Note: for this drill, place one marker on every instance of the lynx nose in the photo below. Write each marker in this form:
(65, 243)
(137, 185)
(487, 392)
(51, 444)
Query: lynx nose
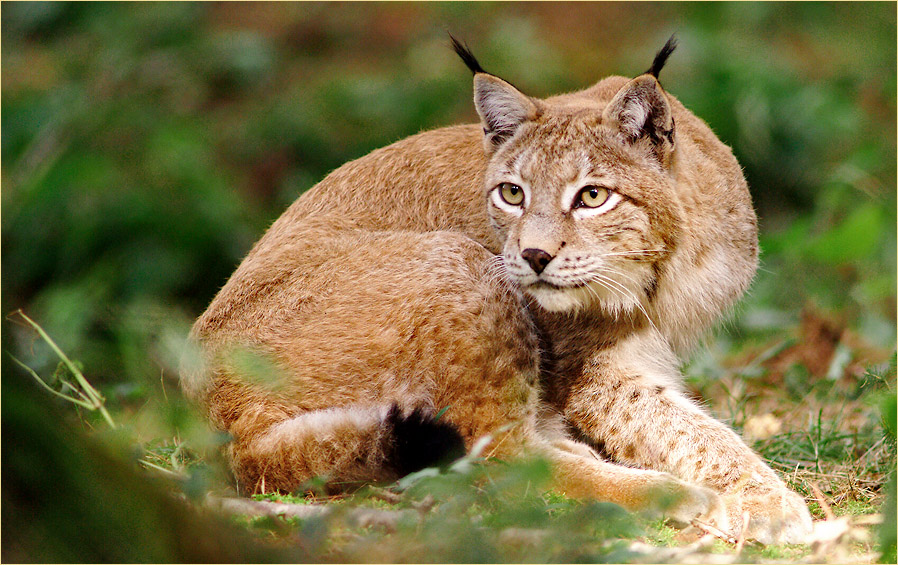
(537, 258)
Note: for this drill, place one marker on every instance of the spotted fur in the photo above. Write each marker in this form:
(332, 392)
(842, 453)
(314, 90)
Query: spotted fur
(404, 286)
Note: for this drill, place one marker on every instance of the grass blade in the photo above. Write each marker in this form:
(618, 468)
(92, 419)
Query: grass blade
(95, 399)
(41, 382)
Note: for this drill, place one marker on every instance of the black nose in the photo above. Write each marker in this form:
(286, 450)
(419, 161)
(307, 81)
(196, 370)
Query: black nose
(537, 258)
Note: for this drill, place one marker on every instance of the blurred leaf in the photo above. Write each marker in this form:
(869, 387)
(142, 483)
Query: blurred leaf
(67, 497)
(239, 59)
(854, 238)
(27, 18)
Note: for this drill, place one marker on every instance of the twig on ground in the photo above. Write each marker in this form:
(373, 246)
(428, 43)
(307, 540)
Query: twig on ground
(711, 530)
(361, 517)
(385, 495)
(821, 500)
(746, 517)
(697, 552)
(424, 506)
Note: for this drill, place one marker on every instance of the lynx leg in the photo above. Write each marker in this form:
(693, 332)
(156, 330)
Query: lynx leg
(637, 489)
(580, 472)
(644, 423)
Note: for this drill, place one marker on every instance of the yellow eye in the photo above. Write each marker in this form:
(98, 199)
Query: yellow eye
(511, 193)
(591, 197)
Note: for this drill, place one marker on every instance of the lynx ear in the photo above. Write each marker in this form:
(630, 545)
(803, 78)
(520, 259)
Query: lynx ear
(502, 108)
(641, 113)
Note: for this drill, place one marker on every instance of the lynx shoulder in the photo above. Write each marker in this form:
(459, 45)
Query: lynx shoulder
(532, 278)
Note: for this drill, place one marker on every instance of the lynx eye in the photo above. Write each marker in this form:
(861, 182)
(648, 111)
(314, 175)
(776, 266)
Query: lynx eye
(511, 193)
(591, 197)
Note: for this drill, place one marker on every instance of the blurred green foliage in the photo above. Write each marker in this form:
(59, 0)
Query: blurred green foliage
(69, 498)
(471, 513)
(146, 146)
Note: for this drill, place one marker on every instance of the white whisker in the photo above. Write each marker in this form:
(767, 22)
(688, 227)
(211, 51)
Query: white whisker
(622, 274)
(626, 293)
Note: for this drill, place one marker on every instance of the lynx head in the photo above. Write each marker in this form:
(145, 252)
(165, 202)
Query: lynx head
(580, 189)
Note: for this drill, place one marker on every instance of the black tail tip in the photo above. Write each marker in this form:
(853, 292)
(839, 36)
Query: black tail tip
(465, 53)
(662, 55)
(420, 441)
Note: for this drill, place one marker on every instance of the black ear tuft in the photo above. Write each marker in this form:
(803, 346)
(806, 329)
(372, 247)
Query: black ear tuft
(465, 53)
(661, 57)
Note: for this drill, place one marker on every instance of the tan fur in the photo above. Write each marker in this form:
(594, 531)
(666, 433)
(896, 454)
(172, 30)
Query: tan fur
(398, 279)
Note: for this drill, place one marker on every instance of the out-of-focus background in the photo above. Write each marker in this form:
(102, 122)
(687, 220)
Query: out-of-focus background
(146, 146)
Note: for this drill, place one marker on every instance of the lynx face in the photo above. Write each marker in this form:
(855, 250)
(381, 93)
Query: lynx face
(585, 210)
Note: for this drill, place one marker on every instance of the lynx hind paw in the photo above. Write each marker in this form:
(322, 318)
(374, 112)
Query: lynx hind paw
(419, 441)
(775, 516)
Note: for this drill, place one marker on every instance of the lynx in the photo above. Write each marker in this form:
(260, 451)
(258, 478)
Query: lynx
(532, 279)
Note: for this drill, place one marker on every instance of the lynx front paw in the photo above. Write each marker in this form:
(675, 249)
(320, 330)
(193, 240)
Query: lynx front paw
(682, 503)
(775, 515)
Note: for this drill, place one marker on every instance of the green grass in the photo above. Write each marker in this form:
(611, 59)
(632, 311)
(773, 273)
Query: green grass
(776, 553)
